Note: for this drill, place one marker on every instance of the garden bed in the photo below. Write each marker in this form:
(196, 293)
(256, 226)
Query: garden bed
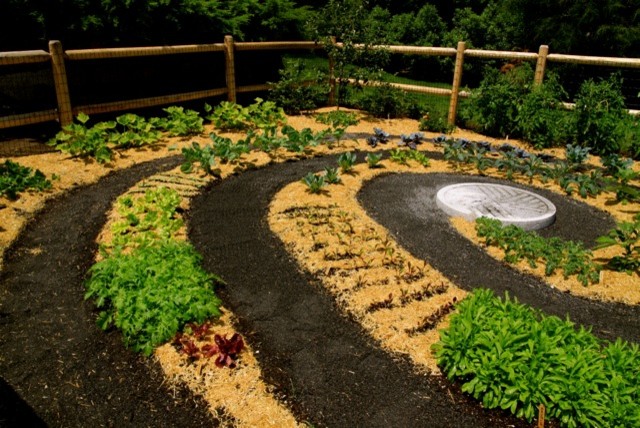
(323, 338)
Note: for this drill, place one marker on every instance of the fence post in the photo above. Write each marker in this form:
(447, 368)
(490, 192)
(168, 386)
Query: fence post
(230, 71)
(455, 87)
(65, 112)
(332, 76)
(541, 65)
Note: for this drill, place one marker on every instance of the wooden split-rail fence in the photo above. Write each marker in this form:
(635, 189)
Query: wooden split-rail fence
(65, 111)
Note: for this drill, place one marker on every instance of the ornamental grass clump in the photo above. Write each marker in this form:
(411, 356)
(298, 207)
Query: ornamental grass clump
(512, 356)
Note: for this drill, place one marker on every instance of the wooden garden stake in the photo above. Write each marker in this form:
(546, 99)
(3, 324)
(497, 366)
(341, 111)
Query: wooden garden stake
(541, 415)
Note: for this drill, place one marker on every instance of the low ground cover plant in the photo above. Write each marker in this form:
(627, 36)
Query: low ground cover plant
(149, 284)
(15, 178)
(259, 115)
(519, 244)
(146, 220)
(152, 292)
(511, 356)
(627, 236)
(180, 122)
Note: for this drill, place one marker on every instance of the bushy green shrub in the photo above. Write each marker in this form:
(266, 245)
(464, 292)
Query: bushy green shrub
(152, 292)
(387, 102)
(15, 178)
(493, 107)
(600, 115)
(541, 118)
(511, 356)
(436, 122)
(299, 90)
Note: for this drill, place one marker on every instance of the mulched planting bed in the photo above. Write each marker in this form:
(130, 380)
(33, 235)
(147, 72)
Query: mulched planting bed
(66, 371)
(57, 368)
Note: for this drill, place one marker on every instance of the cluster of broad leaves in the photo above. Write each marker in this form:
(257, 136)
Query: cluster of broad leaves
(627, 236)
(149, 284)
(126, 131)
(518, 244)
(574, 175)
(15, 178)
(146, 220)
(511, 356)
(266, 130)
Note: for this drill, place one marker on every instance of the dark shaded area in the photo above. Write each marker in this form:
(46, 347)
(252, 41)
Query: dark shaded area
(52, 354)
(405, 205)
(321, 362)
(14, 411)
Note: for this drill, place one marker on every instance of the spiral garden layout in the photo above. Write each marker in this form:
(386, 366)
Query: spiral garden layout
(322, 285)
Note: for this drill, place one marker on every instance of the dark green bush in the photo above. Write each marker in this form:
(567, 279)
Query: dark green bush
(436, 122)
(493, 107)
(15, 178)
(152, 292)
(541, 118)
(601, 117)
(511, 356)
(388, 102)
(299, 90)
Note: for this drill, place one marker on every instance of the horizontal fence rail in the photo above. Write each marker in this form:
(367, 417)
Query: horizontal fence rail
(65, 110)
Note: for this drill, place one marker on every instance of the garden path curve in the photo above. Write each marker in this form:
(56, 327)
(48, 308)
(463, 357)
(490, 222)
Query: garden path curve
(57, 367)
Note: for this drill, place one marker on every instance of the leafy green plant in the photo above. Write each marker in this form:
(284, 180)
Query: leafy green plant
(99, 140)
(493, 107)
(180, 121)
(202, 156)
(513, 357)
(298, 141)
(346, 161)
(228, 151)
(228, 116)
(338, 121)
(626, 235)
(586, 185)
(15, 178)
(151, 292)
(519, 244)
(600, 108)
(79, 140)
(299, 90)
(147, 219)
(576, 156)
(541, 118)
(315, 183)
(331, 175)
(231, 116)
(373, 160)
(435, 122)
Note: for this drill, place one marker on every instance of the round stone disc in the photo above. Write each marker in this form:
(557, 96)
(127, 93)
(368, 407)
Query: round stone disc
(508, 204)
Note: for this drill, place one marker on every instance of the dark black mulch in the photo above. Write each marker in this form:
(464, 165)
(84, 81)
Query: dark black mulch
(405, 205)
(56, 367)
(322, 363)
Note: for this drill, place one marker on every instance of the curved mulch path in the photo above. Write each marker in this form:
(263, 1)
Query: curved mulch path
(52, 355)
(70, 373)
(404, 205)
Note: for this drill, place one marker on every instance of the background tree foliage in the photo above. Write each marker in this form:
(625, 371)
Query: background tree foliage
(596, 27)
